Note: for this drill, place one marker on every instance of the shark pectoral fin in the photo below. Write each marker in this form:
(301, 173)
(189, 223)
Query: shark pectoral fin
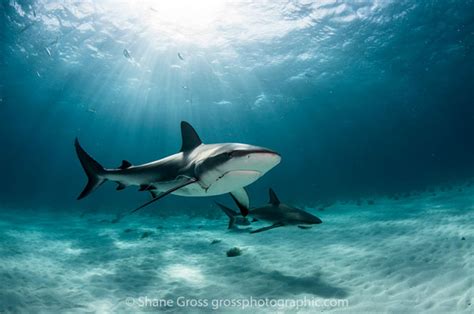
(120, 186)
(304, 227)
(179, 186)
(242, 200)
(268, 228)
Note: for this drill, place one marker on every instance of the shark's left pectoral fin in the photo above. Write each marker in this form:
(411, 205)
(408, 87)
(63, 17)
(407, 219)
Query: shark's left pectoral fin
(241, 198)
(179, 186)
(158, 196)
(304, 227)
(268, 228)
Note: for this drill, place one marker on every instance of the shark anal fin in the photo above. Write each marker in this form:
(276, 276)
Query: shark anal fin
(189, 137)
(242, 200)
(273, 198)
(268, 228)
(154, 193)
(120, 186)
(125, 164)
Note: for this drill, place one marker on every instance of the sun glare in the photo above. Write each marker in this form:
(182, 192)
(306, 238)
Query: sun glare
(188, 12)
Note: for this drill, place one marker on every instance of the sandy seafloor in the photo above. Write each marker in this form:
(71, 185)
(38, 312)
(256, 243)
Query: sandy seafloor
(400, 256)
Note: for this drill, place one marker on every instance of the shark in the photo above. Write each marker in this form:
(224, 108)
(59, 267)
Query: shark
(197, 170)
(275, 212)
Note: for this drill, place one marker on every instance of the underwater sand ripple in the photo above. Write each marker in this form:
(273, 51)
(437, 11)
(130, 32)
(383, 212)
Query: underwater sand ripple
(378, 260)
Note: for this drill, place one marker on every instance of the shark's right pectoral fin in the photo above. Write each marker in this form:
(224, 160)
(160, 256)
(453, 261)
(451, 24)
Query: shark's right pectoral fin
(268, 228)
(241, 199)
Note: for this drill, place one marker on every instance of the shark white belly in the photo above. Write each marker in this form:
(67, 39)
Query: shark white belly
(226, 183)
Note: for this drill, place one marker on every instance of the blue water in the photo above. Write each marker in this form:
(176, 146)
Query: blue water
(369, 103)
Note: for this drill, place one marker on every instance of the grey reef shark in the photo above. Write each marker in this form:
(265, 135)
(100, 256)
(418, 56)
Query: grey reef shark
(275, 212)
(196, 170)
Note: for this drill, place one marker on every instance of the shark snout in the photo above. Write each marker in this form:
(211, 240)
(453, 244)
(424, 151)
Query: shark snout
(315, 220)
(260, 159)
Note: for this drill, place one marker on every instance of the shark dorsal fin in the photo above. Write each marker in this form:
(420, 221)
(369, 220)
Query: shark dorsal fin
(273, 198)
(189, 136)
(125, 164)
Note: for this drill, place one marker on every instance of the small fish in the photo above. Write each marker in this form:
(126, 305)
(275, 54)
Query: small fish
(184, 87)
(26, 27)
(126, 54)
(54, 42)
(91, 110)
(180, 56)
(48, 51)
(38, 74)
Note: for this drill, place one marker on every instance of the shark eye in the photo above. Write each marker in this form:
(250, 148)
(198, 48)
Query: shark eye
(229, 155)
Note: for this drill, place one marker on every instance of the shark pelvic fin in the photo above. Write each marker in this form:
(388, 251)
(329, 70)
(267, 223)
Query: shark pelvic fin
(273, 198)
(190, 139)
(125, 164)
(242, 200)
(154, 193)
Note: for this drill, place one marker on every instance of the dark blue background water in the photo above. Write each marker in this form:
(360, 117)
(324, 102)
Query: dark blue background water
(360, 100)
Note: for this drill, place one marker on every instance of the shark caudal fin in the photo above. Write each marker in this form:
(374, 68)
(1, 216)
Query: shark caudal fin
(230, 213)
(93, 169)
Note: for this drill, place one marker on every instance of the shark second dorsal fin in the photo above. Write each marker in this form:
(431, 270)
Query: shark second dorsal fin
(125, 164)
(189, 137)
(273, 198)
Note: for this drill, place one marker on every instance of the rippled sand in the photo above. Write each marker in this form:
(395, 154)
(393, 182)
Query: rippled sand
(407, 256)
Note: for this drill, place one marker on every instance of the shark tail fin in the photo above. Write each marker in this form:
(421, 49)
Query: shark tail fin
(93, 169)
(230, 213)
